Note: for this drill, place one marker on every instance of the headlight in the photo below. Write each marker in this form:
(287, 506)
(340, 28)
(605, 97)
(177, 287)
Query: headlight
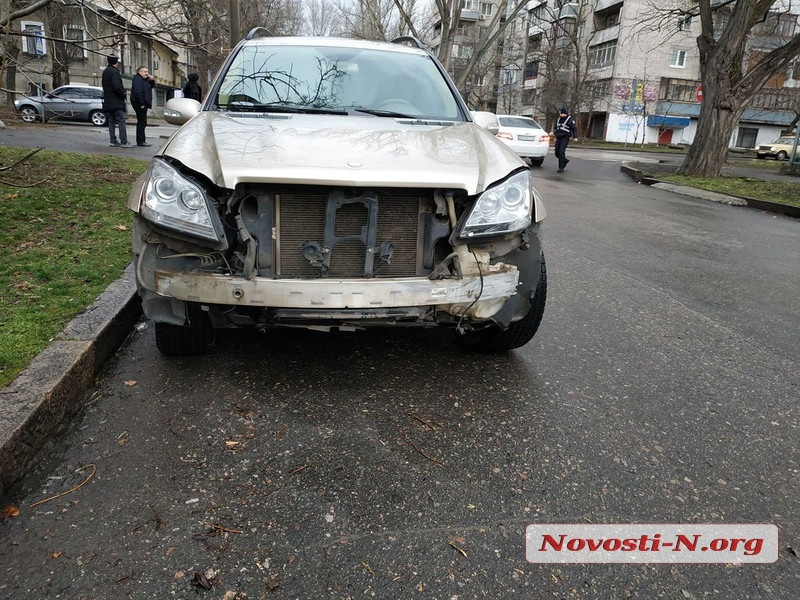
(504, 208)
(172, 201)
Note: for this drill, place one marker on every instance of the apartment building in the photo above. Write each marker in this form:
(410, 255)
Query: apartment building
(69, 44)
(631, 72)
(479, 88)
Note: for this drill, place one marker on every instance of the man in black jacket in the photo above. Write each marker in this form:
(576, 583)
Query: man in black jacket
(564, 129)
(142, 101)
(114, 103)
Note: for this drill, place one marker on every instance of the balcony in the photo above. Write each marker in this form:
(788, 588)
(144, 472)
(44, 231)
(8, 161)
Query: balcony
(570, 11)
(606, 4)
(606, 35)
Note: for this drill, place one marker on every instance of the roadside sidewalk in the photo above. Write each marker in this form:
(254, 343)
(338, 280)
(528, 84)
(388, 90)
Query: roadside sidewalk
(632, 170)
(39, 402)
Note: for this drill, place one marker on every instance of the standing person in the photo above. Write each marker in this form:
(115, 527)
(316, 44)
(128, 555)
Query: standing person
(192, 89)
(564, 129)
(114, 98)
(142, 101)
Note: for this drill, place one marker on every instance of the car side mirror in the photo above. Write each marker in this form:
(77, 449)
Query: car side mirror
(180, 110)
(486, 120)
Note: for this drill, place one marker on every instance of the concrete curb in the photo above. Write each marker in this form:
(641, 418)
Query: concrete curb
(773, 207)
(41, 399)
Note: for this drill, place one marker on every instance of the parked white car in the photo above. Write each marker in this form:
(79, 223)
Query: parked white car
(525, 137)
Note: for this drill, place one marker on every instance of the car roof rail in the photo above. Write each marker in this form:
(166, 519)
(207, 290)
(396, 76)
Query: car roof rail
(258, 32)
(409, 40)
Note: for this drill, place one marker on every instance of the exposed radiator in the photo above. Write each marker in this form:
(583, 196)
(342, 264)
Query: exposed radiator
(301, 223)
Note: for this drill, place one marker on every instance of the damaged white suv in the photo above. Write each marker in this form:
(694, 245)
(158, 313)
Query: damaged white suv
(336, 184)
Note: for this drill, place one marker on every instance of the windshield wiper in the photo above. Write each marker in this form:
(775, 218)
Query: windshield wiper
(280, 108)
(384, 113)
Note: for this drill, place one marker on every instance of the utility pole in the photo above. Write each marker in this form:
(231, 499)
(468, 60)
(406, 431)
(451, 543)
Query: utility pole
(234, 14)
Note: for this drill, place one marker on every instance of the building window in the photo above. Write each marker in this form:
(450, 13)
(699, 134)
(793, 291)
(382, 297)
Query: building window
(76, 49)
(678, 90)
(470, 5)
(461, 51)
(685, 23)
(480, 80)
(486, 9)
(599, 90)
(33, 41)
(537, 16)
(531, 69)
(161, 97)
(794, 71)
(678, 59)
(602, 54)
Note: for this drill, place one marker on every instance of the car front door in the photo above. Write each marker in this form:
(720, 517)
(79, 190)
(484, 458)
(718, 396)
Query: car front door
(59, 104)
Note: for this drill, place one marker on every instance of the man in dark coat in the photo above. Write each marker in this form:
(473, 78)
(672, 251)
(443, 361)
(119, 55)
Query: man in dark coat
(114, 103)
(142, 101)
(192, 89)
(564, 129)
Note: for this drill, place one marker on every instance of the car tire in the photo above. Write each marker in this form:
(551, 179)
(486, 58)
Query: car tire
(193, 339)
(98, 118)
(537, 162)
(518, 333)
(781, 155)
(29, 114)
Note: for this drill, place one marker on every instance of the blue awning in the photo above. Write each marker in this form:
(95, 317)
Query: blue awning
(667, 122)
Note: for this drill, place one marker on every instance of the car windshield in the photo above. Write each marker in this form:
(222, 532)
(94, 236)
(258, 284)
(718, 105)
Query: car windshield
(336, 79)
(519, 122)
(784, 140)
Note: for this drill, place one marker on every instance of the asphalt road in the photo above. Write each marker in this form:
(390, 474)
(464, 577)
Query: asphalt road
(662, 388)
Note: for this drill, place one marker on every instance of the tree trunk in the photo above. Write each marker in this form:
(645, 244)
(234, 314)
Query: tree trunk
(727, 82)
(12, 50)
(709, 150)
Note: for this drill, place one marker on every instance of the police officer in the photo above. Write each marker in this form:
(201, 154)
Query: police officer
(564, 129)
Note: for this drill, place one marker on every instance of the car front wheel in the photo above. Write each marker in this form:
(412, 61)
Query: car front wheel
(29, 114)
(537, 162)
(518, 333)
(781, 155)
(98, 118)
(197, 337)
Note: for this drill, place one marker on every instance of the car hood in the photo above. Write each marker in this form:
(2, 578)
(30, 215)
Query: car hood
(340, 150)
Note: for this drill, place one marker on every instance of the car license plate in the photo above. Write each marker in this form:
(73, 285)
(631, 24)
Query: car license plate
(526, 138)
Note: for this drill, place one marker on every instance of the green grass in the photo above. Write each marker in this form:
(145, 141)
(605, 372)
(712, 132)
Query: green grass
(770, 191)
(62, 242)
(630, 146)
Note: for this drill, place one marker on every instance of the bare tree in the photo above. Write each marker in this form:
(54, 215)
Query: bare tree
(323, 18)
(732, 71)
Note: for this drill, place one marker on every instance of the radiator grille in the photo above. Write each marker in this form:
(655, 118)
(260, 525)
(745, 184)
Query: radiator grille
(302, 218)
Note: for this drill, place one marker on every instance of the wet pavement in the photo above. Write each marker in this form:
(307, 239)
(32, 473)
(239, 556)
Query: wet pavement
(661, 388)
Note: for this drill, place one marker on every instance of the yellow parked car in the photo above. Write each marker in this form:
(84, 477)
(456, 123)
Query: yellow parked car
(780, 149)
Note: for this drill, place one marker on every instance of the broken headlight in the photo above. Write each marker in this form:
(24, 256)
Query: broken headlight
(173, 201)
(504, 208)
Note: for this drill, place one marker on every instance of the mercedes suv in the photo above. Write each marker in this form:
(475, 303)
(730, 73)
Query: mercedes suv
(336, 184)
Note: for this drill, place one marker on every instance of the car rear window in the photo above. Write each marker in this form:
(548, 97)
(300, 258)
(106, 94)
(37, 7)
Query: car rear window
(337, 78)
(519, 122)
